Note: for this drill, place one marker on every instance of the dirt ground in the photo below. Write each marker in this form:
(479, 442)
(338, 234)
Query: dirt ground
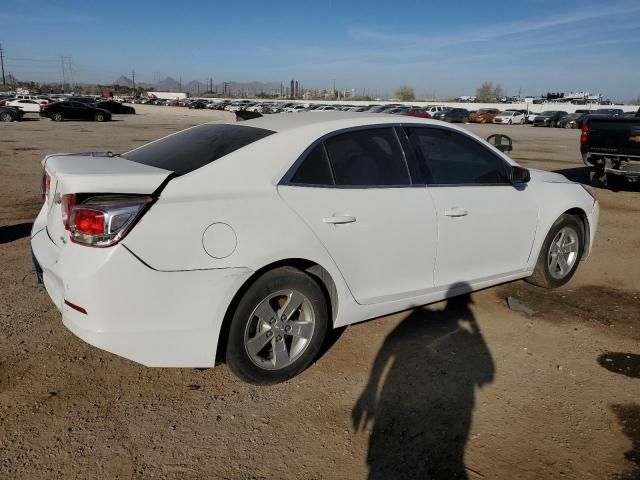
(461, 389)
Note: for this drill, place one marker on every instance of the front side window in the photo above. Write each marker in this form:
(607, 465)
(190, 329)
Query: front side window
(367, 158)
(447, 157)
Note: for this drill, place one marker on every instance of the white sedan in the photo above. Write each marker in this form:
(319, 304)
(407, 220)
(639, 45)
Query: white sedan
(510, 117)
(27, 106)
(248, 241)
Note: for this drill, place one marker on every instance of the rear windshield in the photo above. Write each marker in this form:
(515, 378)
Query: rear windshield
(191, 149)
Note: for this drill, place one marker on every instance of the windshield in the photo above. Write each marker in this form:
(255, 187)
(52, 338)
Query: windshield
(195, 147)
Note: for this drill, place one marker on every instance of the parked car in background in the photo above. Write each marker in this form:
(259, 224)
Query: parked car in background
(10, 114)
(27, 106)
(510, 117)
(416, 112)
(452, 115)
(609, 111)
(296, 108)
(358, 109)
(549, 118)
(393, 110)
(69, 110)
(214, 288)
(433, 109)
(572, 120)
(380, 108)
(88, 100)
(116, 107)
(198, 105)
(484, 115)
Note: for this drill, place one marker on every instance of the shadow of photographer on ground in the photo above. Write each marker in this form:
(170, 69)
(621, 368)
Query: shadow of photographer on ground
(421, 393)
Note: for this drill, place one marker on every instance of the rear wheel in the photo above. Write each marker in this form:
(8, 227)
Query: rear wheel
(6, 117)
(278, 327)
(522, 121)
(99, 117)
(552, 123)
(560, 253)
(56, 117)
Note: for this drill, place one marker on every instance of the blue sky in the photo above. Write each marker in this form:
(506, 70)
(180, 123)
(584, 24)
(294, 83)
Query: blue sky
(446, 48)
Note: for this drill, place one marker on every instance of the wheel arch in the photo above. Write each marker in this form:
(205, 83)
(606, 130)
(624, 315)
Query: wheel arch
(313, 269)
(586, 228)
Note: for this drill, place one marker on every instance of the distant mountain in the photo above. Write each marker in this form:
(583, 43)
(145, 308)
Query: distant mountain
(195, 86)
(168, 85)
(123, 81)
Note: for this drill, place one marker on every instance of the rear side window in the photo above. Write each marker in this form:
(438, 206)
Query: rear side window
(367, 158)
(451, 158)
(315, 169)
(191, 149)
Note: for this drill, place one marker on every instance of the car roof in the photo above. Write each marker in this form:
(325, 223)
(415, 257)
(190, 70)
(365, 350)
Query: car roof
(282, 122)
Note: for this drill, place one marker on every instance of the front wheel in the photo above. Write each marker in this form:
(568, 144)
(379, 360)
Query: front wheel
(510, 122)
(278, 328)
(560, 253)
(552, 123)
(5, 117)
(99, 117)
(56, 117)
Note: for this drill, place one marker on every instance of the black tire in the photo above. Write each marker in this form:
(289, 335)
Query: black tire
(510, 122)
(552, 124)
(598, 178)
(280, 279)
(542, 275)
(56, 117)
(99, 117)
(6, 117)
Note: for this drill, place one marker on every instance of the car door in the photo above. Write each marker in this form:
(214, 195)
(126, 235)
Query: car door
(355, 192)
(486, 225)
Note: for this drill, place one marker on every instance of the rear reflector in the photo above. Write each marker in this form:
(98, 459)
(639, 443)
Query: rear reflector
(75, 307)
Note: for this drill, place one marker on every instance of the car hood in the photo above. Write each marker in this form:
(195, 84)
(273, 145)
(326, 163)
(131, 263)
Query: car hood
(548, 177)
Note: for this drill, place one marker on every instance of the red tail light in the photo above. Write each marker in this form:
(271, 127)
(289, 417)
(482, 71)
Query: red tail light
(104, 221)
(89, 222)
(584, 138)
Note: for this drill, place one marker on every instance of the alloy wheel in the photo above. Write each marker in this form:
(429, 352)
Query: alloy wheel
(279, 329)
(563, 252)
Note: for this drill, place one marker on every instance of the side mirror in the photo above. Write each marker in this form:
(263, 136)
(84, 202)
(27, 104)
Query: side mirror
(519, 175)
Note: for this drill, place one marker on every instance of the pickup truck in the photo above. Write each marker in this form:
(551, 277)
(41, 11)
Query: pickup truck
(611, 145)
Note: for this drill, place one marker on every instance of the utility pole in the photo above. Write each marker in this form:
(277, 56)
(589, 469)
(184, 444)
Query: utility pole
(4, 82)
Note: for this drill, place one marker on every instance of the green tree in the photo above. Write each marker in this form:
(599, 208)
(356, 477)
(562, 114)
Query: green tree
(488, 92)
(405, 93)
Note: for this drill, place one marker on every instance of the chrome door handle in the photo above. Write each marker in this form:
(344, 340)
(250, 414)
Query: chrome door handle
(339, 219)
(456, 212)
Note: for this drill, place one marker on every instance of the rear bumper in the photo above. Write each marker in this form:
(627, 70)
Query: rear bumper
(158, 319)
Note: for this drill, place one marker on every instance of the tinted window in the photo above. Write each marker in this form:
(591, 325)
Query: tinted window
(191, 149)
(367, 158)
(450, 158)
(315, 169)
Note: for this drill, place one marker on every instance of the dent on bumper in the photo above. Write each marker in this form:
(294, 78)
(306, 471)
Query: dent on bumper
(158, 319)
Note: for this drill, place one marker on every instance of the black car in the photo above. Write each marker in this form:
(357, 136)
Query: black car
(67, 110)
(198, 105)
(572, 120)
(115, 107)
(550, 118)
(452, 115)
(87, 100)
(10, 114)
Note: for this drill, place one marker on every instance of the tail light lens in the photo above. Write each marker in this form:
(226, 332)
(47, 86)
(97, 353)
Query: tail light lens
(104, 221)
(585, 133)
(68, 201)
(45, 186)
